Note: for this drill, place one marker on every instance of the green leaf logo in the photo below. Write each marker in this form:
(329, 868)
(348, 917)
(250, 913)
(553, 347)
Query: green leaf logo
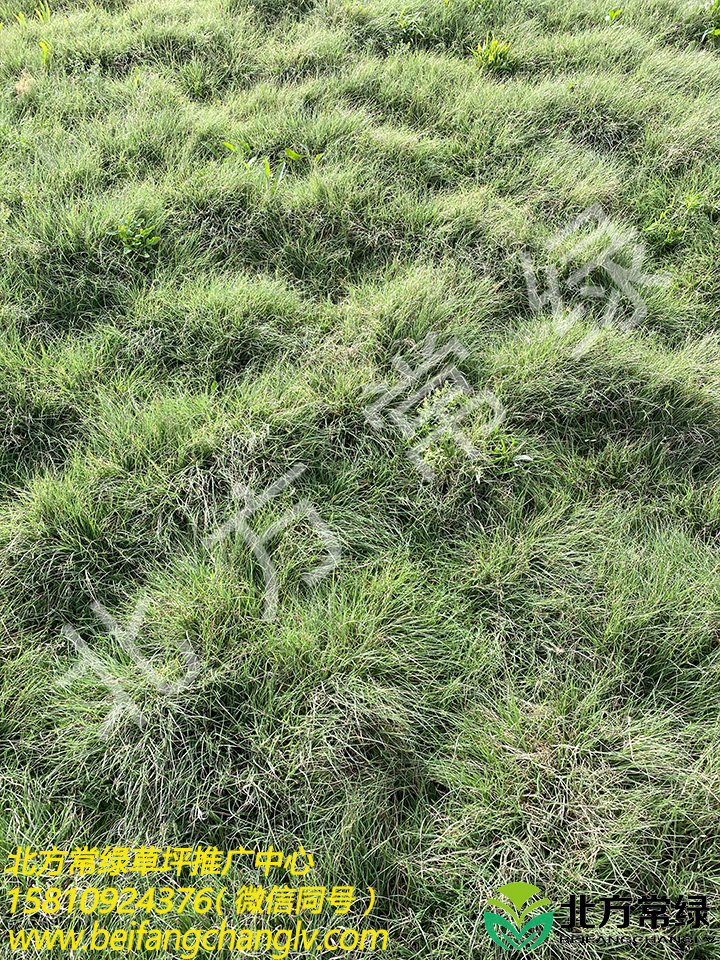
(516, 936)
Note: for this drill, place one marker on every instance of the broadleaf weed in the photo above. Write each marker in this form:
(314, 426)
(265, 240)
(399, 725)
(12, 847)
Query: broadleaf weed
(493, 54)
(137, 238)
(674, 222)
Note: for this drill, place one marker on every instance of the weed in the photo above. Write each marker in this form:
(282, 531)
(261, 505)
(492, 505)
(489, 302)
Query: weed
(503, 450)
(674, 222)
(307, 154)
(46, 50)
(493, 54)
(410, 26)
(704, 22)
(42, 12)
(451, 432)
(233, 148)
(612, 16)
(26, 85)
(270, 10)
(713, 29)
(137, 238)
(272, 180)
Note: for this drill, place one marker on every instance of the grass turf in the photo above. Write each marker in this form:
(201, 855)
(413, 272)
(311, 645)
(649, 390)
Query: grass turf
(513, 673)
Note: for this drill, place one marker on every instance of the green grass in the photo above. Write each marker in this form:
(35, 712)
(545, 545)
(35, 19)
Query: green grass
(513, 673)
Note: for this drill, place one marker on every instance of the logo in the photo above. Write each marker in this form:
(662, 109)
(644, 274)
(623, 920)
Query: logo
(524, 936)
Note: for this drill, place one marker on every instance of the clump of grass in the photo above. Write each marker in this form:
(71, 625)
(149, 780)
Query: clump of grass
(449, 26)
(271, 10)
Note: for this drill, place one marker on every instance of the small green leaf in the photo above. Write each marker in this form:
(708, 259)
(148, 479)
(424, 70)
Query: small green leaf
(292, 155)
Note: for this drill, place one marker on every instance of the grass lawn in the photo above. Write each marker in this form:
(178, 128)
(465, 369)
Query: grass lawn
(221, 224)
